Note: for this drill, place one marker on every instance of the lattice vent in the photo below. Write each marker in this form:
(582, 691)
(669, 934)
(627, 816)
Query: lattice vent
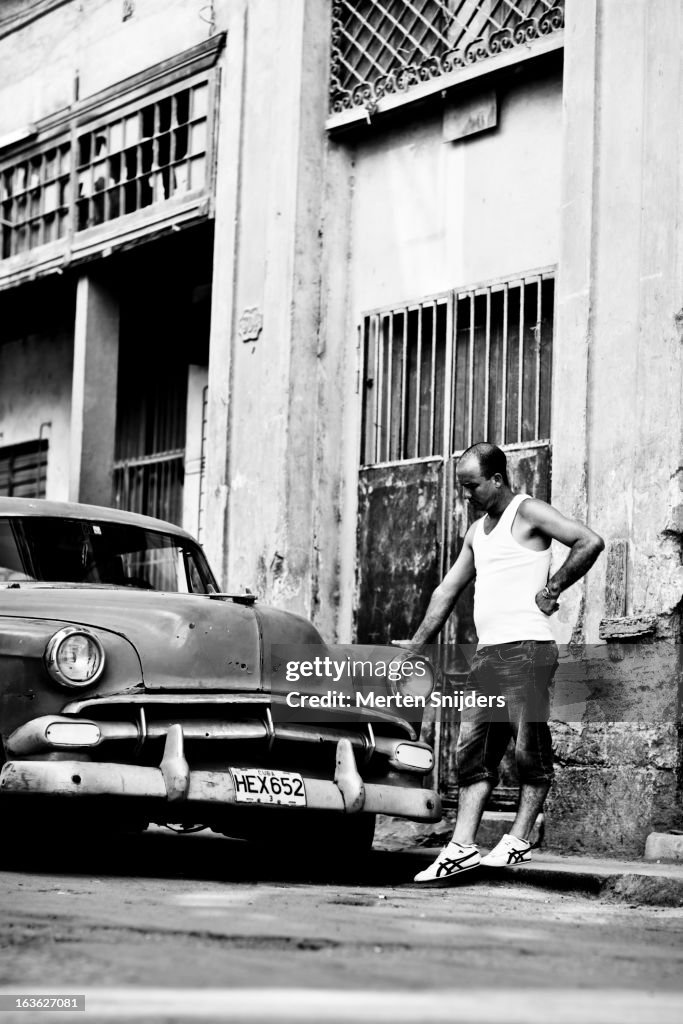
(386, 46)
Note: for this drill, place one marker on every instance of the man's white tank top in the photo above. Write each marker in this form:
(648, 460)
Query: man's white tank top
(508, 577)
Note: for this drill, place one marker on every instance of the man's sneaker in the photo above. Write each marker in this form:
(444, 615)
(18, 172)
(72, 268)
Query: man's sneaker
(453, 860)
(509, 852)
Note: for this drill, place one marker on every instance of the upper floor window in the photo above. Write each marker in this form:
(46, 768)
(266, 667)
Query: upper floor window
(34, 199)
(148, 155)
(141, 150)
(383, 47)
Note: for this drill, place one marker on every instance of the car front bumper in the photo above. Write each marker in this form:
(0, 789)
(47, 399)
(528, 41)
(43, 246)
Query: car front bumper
(174, 783)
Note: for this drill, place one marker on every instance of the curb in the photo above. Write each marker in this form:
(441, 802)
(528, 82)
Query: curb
(646, 886)
(634, 888)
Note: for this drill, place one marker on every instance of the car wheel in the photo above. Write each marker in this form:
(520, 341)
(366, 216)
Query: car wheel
(23, 832)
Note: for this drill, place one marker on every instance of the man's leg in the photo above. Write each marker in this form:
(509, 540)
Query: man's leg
(528, 707)
(481, 744)
(531, 799)
(471, 803)
(533, 742)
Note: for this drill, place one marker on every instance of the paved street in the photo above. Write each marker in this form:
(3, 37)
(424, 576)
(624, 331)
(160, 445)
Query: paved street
(174, 928)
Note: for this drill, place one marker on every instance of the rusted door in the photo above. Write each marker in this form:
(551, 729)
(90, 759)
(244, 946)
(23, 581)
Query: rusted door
(400, 546)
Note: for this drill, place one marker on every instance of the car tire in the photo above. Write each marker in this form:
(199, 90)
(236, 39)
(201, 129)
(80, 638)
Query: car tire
(29, 827)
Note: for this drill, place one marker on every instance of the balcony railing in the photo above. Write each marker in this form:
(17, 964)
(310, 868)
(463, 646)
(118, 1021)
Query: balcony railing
(385, 47)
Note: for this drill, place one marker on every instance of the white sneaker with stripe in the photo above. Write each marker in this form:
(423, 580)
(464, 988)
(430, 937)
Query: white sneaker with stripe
(509, 852)
(453, 860)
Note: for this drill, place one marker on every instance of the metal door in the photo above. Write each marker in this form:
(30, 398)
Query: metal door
(438, 375)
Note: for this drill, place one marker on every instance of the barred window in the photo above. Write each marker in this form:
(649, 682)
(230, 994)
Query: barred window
(34, 199)
(471, 365)
(145, 157)
(503, 343)
(403, 405)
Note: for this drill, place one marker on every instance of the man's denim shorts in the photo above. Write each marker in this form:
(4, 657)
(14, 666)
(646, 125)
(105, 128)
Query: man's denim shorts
(521, 674)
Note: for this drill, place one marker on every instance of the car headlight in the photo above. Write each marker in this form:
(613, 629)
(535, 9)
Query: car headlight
(74, 657)
(412, 676)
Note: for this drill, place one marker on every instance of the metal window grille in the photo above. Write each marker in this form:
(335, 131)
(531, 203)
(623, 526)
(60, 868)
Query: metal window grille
(34, 200)
(446, 372)
(386, 46)
(502, 362)
(146, 157)
(403, 407)
(23, 470)
(149, 469)
(152, 485)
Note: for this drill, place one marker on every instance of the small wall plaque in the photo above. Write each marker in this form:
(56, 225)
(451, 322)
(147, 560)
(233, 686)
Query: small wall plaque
(250, 324)
(470, 116)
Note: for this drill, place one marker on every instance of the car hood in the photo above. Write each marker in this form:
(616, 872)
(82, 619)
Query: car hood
(184, 641)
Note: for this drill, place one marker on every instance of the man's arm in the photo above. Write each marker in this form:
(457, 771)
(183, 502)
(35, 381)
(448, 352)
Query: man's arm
(444, 597)
(585, 547)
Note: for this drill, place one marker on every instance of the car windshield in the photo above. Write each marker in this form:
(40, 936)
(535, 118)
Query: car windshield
(86, 551)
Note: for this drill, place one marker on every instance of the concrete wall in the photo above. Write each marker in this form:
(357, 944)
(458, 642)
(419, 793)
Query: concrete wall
(39, 62)
(262, 409)
(618, 428)
(430, 215)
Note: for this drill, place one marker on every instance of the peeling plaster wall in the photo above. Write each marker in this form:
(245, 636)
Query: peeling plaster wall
(263, 411)
(431, 215)
(617, 408)
(617, 381)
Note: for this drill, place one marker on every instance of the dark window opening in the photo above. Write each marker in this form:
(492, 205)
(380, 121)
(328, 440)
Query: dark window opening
(23, 470)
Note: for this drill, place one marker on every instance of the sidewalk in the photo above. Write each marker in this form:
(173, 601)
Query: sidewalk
(636, 882)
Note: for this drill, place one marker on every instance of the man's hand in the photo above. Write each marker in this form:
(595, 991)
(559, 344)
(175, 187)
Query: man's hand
(545, 599)
(408, 645)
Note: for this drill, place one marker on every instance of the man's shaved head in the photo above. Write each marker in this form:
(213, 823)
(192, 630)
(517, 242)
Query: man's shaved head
(489, 458)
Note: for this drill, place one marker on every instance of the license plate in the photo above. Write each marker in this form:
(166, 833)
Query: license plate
(262, 786)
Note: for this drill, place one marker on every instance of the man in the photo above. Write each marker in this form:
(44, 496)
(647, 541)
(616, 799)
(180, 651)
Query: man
(507, 553)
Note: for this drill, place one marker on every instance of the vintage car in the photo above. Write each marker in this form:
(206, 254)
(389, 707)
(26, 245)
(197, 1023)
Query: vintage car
(133, 691)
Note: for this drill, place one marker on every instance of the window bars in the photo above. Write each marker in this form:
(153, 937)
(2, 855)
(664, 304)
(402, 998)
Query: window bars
(382, 47)
(149, 466)
(448, 371)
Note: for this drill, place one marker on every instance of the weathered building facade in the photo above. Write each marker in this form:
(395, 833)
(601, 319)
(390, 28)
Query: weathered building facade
(268, 266)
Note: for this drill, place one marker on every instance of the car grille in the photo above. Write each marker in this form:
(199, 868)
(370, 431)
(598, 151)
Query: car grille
(239, 729)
